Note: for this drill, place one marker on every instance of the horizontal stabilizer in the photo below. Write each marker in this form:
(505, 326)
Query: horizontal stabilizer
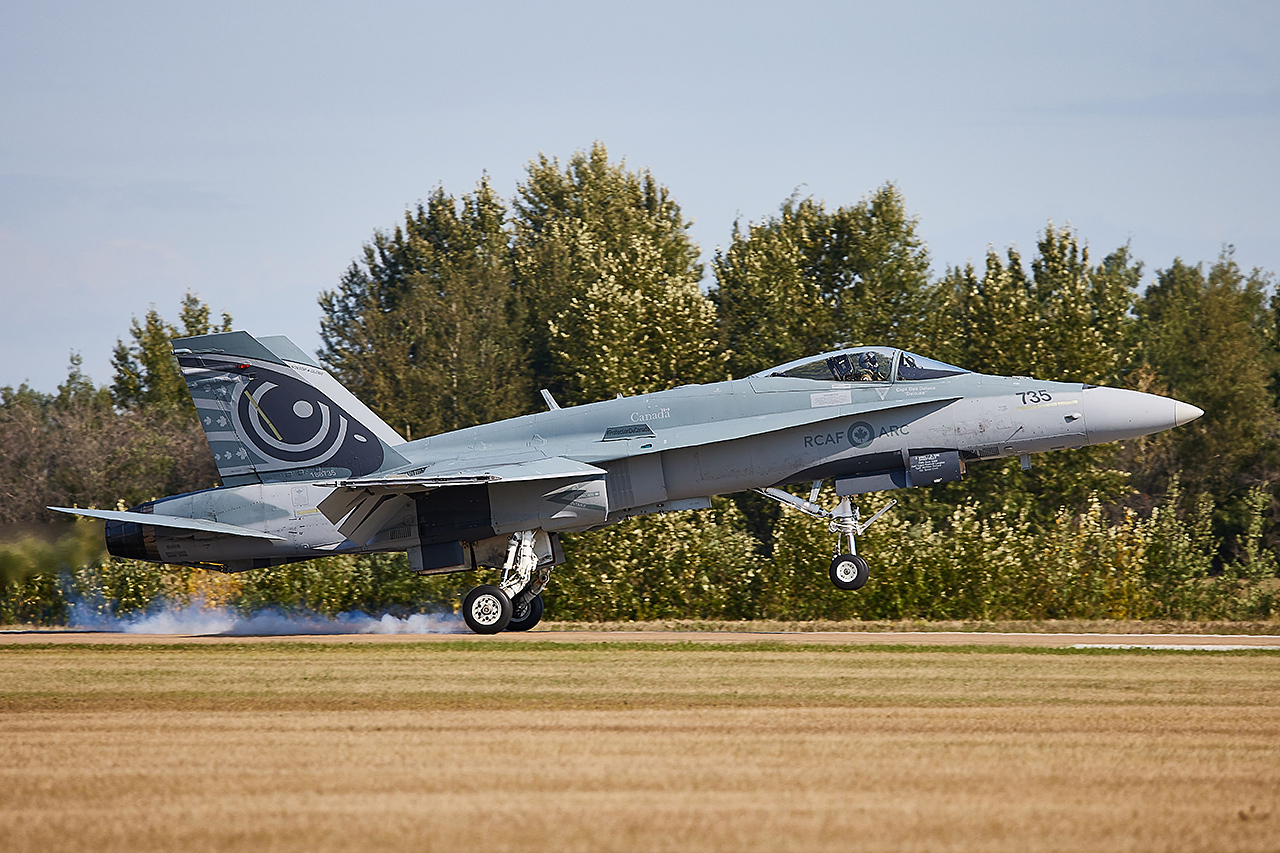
(172, 522)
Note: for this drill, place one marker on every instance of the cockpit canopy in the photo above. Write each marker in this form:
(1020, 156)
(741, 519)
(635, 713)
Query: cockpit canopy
(865, 364)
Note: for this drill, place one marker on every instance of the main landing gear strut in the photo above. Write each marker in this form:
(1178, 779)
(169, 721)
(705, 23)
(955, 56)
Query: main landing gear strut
(848, 570)
(515, 604)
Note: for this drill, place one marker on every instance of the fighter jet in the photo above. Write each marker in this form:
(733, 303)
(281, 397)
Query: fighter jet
(308, 470)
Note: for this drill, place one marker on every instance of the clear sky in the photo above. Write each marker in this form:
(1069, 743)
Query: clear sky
(245, 151)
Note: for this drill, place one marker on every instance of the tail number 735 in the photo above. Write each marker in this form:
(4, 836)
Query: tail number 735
(1034, 397)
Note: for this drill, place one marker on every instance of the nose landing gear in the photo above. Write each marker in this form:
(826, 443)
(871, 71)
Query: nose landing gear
(848, 570)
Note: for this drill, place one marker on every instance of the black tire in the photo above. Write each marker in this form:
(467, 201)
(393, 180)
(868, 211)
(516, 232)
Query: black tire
(525, 614)
(486, 609)
(849, 572)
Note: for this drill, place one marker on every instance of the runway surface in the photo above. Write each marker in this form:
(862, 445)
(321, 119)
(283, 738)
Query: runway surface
(764, 738)
(1210, 642)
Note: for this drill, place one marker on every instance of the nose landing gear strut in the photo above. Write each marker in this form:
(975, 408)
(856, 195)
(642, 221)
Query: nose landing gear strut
(848, 570)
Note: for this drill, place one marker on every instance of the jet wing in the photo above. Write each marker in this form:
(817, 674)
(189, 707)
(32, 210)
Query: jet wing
(171, 522)
(542, 468)
(361, 507)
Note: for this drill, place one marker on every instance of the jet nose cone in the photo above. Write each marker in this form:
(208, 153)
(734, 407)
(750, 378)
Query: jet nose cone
(1185, 413)
(1113, 414)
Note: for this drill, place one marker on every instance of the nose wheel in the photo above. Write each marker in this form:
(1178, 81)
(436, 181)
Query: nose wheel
(849, 572)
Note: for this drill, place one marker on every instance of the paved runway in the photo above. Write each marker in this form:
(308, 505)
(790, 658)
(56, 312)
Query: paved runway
(1220, 642)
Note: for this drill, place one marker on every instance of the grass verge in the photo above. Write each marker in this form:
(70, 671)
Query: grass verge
(636, 746)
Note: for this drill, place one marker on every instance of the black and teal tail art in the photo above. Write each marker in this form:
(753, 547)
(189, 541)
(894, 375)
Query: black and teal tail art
(271, 413)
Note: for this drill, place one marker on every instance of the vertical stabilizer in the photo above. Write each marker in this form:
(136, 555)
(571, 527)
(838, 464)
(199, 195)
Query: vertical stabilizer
(271, 413)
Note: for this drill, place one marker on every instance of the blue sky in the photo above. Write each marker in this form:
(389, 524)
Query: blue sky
(245, 151)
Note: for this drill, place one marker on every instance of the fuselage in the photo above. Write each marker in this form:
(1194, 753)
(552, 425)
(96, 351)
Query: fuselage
(674, 449)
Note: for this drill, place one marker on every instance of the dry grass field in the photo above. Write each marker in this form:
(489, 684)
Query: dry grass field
(483, 745)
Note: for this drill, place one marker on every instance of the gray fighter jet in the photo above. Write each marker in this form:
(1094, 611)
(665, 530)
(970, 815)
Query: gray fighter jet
(308, 470)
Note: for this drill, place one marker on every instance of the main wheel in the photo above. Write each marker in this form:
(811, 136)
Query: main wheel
(525, 613)
(486, 609)
(849, 571)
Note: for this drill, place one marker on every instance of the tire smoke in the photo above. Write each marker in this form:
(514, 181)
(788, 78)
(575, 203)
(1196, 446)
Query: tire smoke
(197, 619)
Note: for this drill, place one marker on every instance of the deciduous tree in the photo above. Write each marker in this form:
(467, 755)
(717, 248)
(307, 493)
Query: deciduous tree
(1208, 338)
(146, 373)
(426, 329)
(610, 277)
(810, 280)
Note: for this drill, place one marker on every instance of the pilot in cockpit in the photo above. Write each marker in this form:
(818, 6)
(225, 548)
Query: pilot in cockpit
(869, 368)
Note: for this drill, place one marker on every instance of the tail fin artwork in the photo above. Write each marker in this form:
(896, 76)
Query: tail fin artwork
(271, 413)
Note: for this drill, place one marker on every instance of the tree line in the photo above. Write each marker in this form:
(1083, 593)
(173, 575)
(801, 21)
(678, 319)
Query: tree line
(588, 284)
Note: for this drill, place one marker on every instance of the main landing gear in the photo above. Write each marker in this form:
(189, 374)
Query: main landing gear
(515, 604)
(848, 570)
